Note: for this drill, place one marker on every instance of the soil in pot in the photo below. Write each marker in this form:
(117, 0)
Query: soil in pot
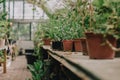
(95, 48)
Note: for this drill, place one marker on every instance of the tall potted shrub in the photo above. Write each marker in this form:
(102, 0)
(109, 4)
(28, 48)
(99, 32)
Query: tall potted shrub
(103, 27)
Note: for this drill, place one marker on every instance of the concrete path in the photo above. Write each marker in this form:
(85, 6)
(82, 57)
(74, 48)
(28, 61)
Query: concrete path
(16, 70)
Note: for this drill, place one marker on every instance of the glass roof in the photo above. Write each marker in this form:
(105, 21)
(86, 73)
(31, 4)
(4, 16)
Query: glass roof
(23, 10)
(55, 4)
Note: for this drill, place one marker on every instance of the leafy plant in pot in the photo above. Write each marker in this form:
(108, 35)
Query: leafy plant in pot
(55, 35)
(42, 33)
(77, 25)
(104, 27)
(67, 36)
(45, 28)
(69, 25)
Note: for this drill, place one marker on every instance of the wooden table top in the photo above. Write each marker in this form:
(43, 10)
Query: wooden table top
(88, 69)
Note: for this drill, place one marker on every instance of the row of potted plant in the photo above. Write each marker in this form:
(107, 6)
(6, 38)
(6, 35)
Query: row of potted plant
(60, 30)
(89, 20)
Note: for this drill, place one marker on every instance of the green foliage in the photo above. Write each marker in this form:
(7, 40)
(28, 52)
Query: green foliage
(38, 53)
(37, 70)
(98, 3)
(3, 15)
(67, 25)
(106, 18)
(43, 30)
(1, 55)
(55, 31)
(4, 23)
(1, 1)
(63, 23)
(70, 23)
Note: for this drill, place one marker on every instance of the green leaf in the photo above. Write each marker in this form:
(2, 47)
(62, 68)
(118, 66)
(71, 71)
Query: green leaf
(98, 3)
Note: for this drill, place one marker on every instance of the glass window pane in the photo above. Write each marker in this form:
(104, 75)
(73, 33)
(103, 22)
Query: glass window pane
(28, 11)
(24, 31)
(18, 10)
(14, 32)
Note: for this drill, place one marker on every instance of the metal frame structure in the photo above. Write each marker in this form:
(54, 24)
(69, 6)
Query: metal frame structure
(23, 12)
(23, 20)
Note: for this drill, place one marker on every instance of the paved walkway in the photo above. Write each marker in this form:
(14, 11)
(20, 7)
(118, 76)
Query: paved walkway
(16, 70)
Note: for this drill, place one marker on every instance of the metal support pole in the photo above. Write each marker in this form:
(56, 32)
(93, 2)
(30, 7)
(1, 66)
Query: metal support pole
(34, 10)
(30, 31)
(18, 31)
(13, 8)
(9, 8)
(23, 9)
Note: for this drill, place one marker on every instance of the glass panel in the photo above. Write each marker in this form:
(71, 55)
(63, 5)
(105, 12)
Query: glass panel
(18, 10)
(55, 4)
(28, 10)
(9, 9)
(24, 31)
(14, 32)
(33, 30)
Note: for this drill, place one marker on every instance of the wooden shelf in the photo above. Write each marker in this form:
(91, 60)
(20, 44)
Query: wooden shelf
(85, 68)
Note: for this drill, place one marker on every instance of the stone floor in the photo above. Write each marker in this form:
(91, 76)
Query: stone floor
(16, 70)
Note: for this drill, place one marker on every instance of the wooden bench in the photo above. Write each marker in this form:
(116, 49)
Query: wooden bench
(85, 68)
(4, 61)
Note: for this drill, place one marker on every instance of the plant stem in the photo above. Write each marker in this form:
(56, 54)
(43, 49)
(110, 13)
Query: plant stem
(111, 46)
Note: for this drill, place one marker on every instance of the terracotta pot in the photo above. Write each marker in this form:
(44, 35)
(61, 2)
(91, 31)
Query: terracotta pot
(95, 48)
(67, 45)
(57, 45)
(77, 45)
(46, 41)
(2, 43)
(84, 46)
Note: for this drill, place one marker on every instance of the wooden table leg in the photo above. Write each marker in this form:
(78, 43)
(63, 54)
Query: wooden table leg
(4, 63)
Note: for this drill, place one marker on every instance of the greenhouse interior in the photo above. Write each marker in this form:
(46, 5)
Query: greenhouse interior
(59, 39)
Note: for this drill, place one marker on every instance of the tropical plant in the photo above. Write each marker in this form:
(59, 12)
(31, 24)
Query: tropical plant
(107, 18)
(37, 52)
(37, 70)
